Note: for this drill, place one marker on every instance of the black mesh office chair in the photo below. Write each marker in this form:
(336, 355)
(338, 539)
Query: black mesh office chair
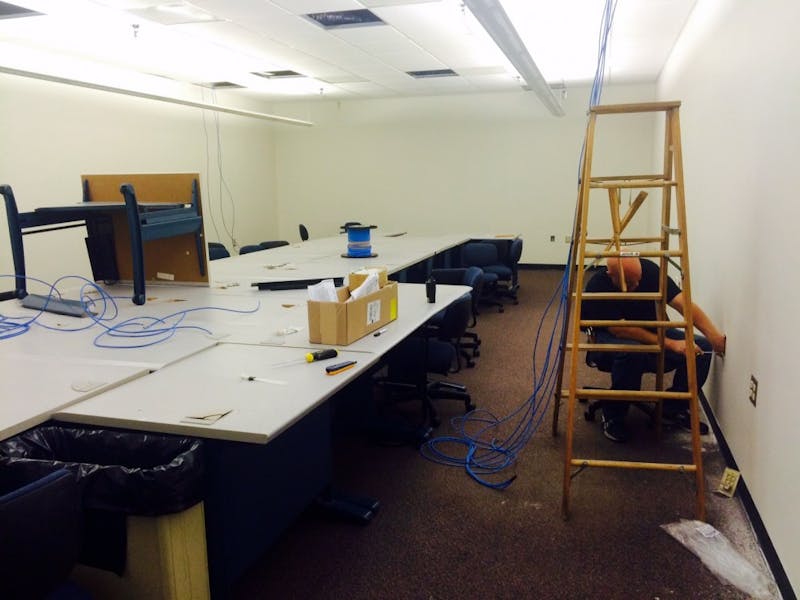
(217, 251)
(250, 248)
(507, 271)
(273, 244)
(482, 255)
(41, 521)
(430, 351)
(468, 345)
(303, 233)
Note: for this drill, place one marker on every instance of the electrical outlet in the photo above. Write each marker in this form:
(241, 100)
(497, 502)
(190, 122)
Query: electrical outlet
(552, 238)
(753, 390)
(728, 483)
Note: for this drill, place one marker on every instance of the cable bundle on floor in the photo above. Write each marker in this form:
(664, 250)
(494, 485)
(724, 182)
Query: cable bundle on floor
(477, 447)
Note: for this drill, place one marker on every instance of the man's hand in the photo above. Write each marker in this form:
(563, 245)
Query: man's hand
(718, 343)
(679, 346)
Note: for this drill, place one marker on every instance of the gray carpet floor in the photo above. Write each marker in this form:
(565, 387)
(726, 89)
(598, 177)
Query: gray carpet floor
(440, 535)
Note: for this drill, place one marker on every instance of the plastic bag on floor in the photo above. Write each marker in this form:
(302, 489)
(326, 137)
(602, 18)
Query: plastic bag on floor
(719, 555)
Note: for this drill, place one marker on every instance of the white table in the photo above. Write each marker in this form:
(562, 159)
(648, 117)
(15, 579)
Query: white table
(32, 388)
(259, 411)
(321, 258)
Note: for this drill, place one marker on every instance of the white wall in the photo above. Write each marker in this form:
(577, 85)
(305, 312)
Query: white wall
(475, 164)
(736, 71)
(51, 134)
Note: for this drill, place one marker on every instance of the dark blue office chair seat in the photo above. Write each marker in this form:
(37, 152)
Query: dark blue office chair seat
(40, 527)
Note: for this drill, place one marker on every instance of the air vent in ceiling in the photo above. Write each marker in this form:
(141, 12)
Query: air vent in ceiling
(221, 85)
(432, 73)
(277, 74)
(12, 11)
(345, 18)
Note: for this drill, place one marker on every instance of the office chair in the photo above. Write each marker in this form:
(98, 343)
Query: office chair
(273, 244)
(430, 350)
(250, 248)
(303, 233)
(602, 361)
(507, 271)
(482, 255)
(217, 251)
(473, 277)
(41, 521)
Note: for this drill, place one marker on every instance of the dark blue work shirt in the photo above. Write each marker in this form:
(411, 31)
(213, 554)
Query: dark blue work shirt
(638, 310)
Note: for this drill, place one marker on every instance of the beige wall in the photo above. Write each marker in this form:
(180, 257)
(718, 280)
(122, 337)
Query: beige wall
(52, 133)
(736, 71)
(481, 163)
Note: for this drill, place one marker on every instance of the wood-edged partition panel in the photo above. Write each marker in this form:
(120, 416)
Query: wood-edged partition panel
(167, 259)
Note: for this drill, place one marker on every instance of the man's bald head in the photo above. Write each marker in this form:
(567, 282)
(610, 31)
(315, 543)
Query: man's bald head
(627, 268)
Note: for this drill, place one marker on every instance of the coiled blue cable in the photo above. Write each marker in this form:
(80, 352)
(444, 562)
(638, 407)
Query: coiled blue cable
(102, 310)
(484, 457)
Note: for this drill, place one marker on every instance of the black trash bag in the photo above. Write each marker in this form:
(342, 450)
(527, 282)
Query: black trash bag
(125, 472)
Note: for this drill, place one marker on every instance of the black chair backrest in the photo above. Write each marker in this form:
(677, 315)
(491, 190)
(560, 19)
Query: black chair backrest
(303, 232)
(250, 248)
(273, 244)
(479, 254)
(456, 319)
(217, 251)
(41, 524)
(515, 252)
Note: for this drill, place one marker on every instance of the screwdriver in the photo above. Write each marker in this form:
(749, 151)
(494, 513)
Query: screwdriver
(322, 354)
(310, 357)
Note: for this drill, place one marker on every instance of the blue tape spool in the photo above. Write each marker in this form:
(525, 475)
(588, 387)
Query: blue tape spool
(358, 241)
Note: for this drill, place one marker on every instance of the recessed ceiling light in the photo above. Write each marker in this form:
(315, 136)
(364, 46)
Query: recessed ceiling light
(221, 85)
(345, 18)
(277, 74)
(174, 13)
(432, 73)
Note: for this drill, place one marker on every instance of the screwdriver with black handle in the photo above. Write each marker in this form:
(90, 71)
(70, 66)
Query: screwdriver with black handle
(311, 357)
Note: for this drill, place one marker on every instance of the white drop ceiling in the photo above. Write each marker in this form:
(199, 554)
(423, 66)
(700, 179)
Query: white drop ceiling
(144, 38)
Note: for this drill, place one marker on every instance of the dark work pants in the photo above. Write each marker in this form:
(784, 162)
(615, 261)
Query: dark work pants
(627, 369)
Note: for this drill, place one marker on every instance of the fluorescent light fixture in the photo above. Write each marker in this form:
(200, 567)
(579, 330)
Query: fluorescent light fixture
(495, 21)
(149, 96)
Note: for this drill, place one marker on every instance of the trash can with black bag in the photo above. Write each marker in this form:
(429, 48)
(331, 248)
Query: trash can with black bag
(143, 522)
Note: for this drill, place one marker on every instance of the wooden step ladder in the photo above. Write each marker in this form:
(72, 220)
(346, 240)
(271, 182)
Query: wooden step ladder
(658, 247)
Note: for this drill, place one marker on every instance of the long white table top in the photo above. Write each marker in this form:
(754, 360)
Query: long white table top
(259, 411)
(229, 311)
(321, 258)
(32, 388)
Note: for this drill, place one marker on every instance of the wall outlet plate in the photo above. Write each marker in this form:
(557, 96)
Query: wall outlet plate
(728, 483)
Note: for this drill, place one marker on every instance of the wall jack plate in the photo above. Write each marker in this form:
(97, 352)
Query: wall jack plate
(728, 483)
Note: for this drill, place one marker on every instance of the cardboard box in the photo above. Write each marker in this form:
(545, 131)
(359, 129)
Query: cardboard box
(341, 323)
(356, 278)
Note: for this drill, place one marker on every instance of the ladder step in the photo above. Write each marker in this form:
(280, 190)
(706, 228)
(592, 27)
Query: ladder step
(636, 107)
(627, 395)
(631, 323)
(632, 183)
(586, 462)
(623, 240)
(619, 295)
(629, 252)
(623, 177)
(650, 348)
